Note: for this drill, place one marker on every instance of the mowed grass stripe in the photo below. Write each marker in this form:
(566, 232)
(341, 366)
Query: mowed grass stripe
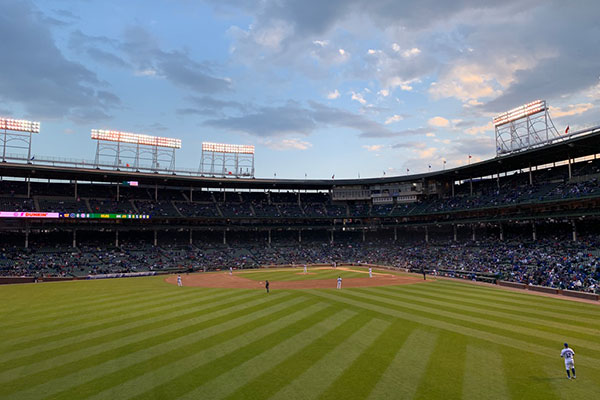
(443, 377)
(478, 383)
(492, 305)
(186, 380)
(47, 351)
(586, 336)
(359, 379)
(315, 381)
(518, 298)
(584, 387)
(168, 366)
(280, 374)
(438, 321)
(159, 329)
(124, 319)
(506, 326)
(121, 366)
(227, 383)
(400, 379)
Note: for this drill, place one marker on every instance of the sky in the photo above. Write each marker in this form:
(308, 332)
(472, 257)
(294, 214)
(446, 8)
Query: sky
(351, 88)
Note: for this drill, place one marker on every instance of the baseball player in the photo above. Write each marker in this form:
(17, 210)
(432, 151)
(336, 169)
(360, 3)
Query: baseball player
(339, 282)
(370, 272)
(567, 353)
(267, 286)
(230, 270)
(305, 269)
(179, 283)
(335, 264)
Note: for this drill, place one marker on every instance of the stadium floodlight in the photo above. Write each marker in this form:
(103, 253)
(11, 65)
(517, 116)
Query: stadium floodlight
(20, 125)
(135, 138)
(228, 148)
(523, 111)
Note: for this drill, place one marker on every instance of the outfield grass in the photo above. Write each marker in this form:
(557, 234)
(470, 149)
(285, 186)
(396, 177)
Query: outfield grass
(141, 338)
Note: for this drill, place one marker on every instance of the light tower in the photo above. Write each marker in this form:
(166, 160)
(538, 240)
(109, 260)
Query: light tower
(17, 136)
(524, 127)
(143, 151)
(220, 159)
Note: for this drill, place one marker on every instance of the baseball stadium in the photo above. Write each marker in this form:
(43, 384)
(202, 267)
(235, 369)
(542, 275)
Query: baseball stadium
(129, 281)
(299, 200)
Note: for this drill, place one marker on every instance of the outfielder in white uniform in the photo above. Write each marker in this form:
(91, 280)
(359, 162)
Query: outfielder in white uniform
(305, 268)
(339, 282)
(370, 272)
(567, 353)
(179, 280)
(230, 270)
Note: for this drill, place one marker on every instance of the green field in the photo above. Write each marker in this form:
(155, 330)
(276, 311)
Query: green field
(141, 338)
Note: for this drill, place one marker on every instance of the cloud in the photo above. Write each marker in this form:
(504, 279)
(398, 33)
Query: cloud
(293, 118)
(176, 66)
(373, 147)
(480, 129)
(38, 76)
(287, 144)
(438, 122)
(571, 109)
(394, 118)
(207, 105)
(333, 95)
(359, 97)
(411, 52)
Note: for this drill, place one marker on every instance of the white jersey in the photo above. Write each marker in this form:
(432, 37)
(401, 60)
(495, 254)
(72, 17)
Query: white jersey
(567, 354)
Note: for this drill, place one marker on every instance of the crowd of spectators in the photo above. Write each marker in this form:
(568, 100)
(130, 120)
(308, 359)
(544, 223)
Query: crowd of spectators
(553, 263)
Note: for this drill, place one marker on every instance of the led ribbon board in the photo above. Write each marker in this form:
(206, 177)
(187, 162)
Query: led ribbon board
(135, 138)
(28, 214)
(104, 216)
(19, 125)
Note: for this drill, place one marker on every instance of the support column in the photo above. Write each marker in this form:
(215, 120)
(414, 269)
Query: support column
(395, 234)
(574, 230)
(74, 238)
(191, 237)
(471, 186)
(453, 188)
(156, 192)
(363, 235)
(501, 232)
(28, 188)
(530, 176)
(116, 238)
(224, 237)
(474, 238)
(300, 236)
(455, 232)
(118, 193)
(155, 238)
(27, 239)
(533, 231)
(498, 180)
(75, 190)
(426, 234)
(570, 175)
(191, 194)
(331, 240)
(269, 236)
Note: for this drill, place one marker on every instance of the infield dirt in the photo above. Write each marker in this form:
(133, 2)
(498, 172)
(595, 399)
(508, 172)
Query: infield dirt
(237, 281)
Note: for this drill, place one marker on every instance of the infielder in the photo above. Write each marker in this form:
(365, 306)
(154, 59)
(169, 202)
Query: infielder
(567, 353)
(305, 268)
(230, 270)
(370, 272)
(179, 280)
(339, 282)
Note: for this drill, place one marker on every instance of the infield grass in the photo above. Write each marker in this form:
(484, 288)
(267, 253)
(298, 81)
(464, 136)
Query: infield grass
(141, 338)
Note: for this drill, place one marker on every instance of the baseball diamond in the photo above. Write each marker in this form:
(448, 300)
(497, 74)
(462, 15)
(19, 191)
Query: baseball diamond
(143, 338)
